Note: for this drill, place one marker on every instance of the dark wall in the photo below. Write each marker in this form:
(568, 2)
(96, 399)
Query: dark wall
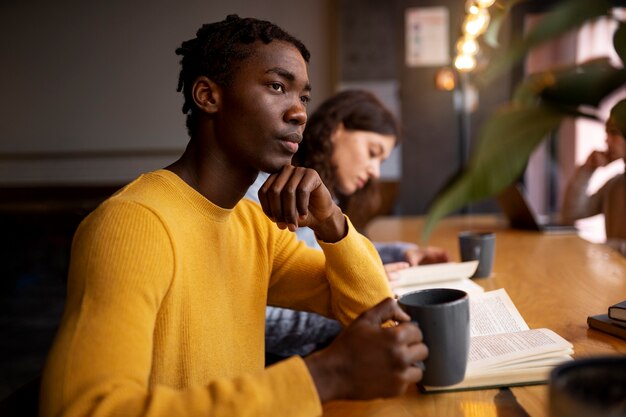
(368, 40)
(372, 48)
(104, 75)
(432, 151)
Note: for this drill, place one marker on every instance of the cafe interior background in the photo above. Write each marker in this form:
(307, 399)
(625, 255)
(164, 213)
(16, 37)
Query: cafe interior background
(89, 101)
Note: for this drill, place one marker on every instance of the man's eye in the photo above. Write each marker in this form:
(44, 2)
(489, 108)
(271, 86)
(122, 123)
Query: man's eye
(305, 99)
(277, 87)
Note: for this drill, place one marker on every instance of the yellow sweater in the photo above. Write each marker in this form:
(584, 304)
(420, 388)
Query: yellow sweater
(166, 305)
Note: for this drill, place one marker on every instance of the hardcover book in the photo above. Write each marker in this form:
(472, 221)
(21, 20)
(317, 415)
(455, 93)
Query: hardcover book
(605, 324)
(618, 311)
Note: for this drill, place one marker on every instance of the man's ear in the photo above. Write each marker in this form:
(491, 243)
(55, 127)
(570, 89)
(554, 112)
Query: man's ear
(206, 94)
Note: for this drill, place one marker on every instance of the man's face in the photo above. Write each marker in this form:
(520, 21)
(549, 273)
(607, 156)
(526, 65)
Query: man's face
(263, 109)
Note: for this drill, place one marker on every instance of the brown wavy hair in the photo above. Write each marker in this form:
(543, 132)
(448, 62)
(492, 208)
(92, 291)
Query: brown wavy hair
(357, 110)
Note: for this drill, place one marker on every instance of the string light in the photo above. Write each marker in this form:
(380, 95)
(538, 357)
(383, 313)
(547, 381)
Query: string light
(464, 63)
(467, 45)
(484, 4)
(471, 7)
(476, 24)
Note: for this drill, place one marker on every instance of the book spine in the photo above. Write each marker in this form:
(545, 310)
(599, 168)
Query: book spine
(618, 311)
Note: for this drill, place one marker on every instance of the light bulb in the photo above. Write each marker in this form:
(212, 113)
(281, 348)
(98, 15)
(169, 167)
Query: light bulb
(471, 7)
(465, 63)
(483, 4)
(467, 45)
(445, 79)
(476, 24)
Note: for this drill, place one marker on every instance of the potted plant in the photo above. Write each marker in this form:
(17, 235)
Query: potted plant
(539, 104)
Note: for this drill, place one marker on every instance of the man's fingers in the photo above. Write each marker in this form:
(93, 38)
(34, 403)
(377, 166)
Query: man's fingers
(417, 352)
(384, 311)
(291, 195)
(285, 196)
(275, 191)
(296, 197)
(413, 374)
(310, 181)
(406, 333)
(262, 194)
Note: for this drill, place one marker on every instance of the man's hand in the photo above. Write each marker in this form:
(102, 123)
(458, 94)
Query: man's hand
(369, 361)
(296, 197)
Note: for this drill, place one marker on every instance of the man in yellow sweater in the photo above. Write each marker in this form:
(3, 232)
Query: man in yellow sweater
(170, 277)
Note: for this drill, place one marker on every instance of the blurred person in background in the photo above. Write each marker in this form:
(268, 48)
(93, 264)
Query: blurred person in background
(610, 199)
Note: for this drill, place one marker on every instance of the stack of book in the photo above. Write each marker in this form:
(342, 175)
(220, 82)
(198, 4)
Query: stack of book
(613, 323)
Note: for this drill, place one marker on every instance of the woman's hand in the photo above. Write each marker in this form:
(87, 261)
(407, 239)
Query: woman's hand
(425, 256)
(392, 271)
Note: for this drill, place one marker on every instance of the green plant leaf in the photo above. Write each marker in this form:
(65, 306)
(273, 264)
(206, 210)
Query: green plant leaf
(566, 16)
(528, 92)
(499, 158)
(499, 12)
(584, 84)
(619, 41)
(581, 84)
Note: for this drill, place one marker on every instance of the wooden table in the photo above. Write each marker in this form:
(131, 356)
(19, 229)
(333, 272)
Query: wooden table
(555, 281)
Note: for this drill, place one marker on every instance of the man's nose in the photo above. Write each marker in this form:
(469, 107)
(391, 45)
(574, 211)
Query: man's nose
(296, 114)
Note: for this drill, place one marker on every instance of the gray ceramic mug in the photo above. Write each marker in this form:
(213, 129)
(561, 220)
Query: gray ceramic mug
(589, 387)
(443, 316)
(479, 246)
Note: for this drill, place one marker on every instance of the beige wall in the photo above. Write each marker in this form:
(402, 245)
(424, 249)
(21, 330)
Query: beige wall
(89, 87)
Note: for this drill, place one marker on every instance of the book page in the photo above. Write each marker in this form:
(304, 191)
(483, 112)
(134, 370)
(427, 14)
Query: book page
(504, 350)
(424, 274)
(470, 287)
(493, 312)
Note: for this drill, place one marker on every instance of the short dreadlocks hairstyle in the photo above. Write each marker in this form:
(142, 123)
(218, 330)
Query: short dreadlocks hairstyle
(218, 51)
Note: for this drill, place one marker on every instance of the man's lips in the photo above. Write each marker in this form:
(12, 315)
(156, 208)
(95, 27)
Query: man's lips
(291, 141)
(292, 137)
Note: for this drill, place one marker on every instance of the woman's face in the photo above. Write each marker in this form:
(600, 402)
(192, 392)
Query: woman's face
(357, 156)
(616, 145)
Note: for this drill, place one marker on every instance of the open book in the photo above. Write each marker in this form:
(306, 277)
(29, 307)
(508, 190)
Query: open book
(443, 275)
(503, 350)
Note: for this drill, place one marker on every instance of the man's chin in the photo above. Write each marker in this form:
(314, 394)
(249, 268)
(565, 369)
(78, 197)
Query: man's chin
(275, 166)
